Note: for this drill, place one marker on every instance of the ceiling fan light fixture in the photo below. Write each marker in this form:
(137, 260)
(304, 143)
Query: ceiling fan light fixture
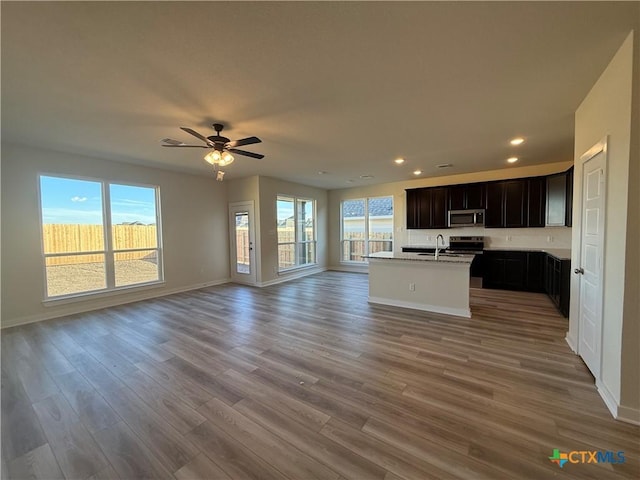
(227, 159)
(219, 158)
(213, 157)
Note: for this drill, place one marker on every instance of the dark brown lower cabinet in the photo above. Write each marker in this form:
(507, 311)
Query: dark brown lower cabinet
(530, 272)
(513, 270)
(535, 271)
(504, 270)
(557, 282)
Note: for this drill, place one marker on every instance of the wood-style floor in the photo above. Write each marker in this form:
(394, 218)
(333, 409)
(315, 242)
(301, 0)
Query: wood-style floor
(303, 380)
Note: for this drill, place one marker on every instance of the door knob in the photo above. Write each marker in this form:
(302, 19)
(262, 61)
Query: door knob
(579, 270)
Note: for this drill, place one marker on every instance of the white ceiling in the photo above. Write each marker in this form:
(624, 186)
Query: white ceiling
(341, 87)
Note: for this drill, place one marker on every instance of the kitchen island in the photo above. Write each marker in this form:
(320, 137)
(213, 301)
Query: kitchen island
(420, 281)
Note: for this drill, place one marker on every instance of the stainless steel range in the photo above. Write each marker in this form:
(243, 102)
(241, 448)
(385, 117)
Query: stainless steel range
(473, 245)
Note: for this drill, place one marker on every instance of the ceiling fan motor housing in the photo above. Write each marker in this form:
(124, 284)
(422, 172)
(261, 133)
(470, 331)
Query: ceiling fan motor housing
(218, 140)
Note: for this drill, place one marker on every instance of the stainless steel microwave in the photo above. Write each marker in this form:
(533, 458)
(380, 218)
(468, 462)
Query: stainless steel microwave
(466, 218)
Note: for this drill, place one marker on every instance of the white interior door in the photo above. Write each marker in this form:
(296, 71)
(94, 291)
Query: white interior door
(591, 261)
(242, 232)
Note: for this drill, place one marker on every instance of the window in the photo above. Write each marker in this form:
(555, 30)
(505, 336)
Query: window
(296, 232)
(98, 236)
(367, 227)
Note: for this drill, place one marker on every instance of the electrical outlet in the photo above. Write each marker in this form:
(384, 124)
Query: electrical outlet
(549, 238)
(508, 238)
(412, 287)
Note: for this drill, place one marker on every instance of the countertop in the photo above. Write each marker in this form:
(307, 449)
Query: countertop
(442, 258)
(559, 253)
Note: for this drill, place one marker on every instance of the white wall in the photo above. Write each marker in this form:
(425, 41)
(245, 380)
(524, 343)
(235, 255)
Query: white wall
(520, 237)
(607, 111)
(630, 376)
(270, 188)
(244, 190)
(264, 192)
(194, 230)
(536, 238)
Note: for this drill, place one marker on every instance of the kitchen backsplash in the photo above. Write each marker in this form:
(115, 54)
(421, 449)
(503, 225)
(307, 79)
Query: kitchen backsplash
(550, 237)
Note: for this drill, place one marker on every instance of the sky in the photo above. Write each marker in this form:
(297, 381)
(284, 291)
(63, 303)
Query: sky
(71, 201)
(285, 209)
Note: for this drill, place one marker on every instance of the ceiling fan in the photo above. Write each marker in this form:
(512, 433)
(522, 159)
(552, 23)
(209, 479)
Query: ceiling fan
(220, 155)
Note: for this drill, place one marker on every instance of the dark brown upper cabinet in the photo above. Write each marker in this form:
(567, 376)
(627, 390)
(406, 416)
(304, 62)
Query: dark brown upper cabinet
(515, 203)
(536, 202)
(418, 214)
(457, 197)
(427, 207)
(493, 217)
(506, 204)
(469, 196)
(556, 200)
(524, 202)
(568, 219)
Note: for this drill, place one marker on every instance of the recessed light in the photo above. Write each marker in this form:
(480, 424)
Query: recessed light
(417, 172)
(366, 177)
(399, 161)
(445, 165)
(517, 141)
(512, 159)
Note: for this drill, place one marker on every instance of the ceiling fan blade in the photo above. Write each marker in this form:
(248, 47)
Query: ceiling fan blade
(245, 153)
(185, 145)
(243, 141)
(171, 141)
(197, 135)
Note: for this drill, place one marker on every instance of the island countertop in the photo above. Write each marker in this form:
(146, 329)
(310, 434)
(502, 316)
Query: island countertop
(443, 257)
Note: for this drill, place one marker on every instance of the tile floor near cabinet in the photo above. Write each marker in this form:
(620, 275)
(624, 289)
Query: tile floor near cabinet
(303, 380)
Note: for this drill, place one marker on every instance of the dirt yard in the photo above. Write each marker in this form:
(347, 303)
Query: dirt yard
(68, 279)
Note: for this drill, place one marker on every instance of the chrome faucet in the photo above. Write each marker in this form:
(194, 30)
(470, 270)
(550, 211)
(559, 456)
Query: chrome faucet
(438, 238)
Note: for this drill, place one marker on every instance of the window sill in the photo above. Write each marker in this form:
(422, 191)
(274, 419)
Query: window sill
(79, 297)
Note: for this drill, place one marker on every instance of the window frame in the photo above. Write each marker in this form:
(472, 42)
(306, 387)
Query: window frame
(298, 243)
(109, 252)
(367, 234)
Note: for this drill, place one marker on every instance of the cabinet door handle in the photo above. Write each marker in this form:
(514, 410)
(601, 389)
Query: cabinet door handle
(579, 271)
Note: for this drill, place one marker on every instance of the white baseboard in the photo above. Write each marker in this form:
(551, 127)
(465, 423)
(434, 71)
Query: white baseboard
(608, 397)
(571, 342)
(619, 412)
(628, 415)
(105, 302)
(458, 312)
(285, 277)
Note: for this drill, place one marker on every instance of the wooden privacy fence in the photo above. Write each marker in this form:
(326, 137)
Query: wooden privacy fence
(73, 238)
(242, 245)
(354, 247)
(286, 256)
